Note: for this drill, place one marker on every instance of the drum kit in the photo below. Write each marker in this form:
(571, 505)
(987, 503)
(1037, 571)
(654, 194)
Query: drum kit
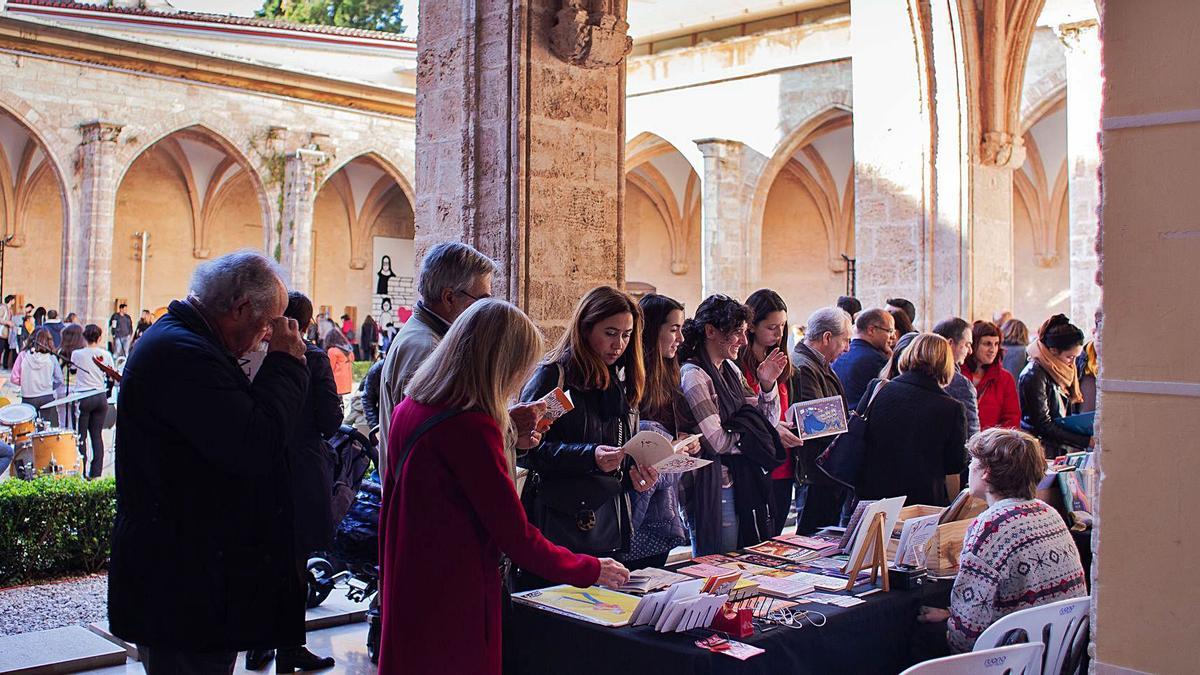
(40, 449)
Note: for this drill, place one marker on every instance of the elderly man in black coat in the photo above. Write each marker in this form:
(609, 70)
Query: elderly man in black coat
(826, 337)
(203, 561)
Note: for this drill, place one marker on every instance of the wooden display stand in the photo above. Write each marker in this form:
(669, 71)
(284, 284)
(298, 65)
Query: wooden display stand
(876, 547)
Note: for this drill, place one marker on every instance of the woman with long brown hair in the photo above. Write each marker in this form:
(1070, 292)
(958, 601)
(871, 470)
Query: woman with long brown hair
(767, 332)
(995, 388)
(580, 479)
(450, 507)
(657, 525)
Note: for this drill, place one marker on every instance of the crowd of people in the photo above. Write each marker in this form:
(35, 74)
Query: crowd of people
(49, 357)
(524, 502)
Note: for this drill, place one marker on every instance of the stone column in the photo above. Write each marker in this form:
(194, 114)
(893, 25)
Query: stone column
(294, 248)
(1084, 82)
(520, 143)
(87, 259)
(731, 253)
(893, 171)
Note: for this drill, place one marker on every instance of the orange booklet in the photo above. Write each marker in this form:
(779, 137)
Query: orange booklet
(558, 403)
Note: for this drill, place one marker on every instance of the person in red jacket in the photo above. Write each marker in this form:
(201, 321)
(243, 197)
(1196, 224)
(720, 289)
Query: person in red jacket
(450, 506)
(995, 388)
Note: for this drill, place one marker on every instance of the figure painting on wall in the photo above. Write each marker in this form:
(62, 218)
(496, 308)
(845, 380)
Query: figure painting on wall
(384, 275)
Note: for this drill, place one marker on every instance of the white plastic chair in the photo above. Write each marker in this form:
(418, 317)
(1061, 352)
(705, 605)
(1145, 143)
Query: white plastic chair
(1061, 626)
(1010, 660)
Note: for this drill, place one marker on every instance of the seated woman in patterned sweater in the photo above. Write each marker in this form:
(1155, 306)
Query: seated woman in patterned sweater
(1018, 553)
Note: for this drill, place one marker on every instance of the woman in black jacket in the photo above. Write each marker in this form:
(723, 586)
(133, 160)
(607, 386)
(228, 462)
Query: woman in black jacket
(916, 433)
(577, 490)
(1049, 387)
(310, 473)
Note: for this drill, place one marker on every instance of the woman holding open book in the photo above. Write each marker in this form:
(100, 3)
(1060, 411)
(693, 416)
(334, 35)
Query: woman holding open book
(657, 525)
(450, 506)
(579, 480)
(768, 332)
(728, 501)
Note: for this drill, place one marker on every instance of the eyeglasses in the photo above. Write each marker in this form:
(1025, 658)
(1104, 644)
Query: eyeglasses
(474, 297)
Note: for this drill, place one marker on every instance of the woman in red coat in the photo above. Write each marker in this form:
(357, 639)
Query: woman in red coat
(451, 509)
(995, 388)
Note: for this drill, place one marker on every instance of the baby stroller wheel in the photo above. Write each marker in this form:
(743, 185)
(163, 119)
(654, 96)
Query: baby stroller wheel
(320, 581)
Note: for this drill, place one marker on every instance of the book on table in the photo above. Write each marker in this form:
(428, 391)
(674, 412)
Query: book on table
(651, 579)
(593, 604)
(786, 588)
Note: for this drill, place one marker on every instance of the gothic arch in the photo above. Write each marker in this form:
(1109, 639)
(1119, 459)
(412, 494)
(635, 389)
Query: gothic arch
(203, 206)
(828, 119)
(389, 167)
(16, 198)
(677, 211)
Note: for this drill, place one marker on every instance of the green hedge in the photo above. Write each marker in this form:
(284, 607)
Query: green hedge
(54, 526)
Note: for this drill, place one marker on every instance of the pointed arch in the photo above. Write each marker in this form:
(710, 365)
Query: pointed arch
(677, 211)
(17, 188)
(361, 221)
(389, 167)
(204, 205)
(831, 118)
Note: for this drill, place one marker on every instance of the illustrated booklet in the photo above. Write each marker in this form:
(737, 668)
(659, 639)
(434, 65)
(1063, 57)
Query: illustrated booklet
(594, 604)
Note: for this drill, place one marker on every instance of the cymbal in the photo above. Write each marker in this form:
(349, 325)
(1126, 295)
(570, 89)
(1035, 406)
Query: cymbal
(77, 396)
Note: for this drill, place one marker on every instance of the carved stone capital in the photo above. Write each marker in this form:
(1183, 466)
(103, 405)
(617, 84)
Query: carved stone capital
(17, 240)
(679, 267)
(100, 131)
(1046, 260)
(589, 39)
(1002, 149)
(201, 253)
(358, 263)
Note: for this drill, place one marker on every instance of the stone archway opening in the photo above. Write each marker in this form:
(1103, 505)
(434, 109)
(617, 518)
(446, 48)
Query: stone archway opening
(33, 214)
(364, 256)
(195, 196)
(807, 216)
(662, 220)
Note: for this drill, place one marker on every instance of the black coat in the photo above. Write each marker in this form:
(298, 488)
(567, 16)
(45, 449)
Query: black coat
(1042, 402)
(814, 379)
(202, 548)
(565, 462)
(916, 436)
(310, 459)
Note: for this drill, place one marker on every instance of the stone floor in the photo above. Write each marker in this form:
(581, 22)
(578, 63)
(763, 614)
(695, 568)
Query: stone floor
(346, 643)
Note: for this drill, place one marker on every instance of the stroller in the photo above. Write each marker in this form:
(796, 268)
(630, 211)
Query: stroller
(357, 499)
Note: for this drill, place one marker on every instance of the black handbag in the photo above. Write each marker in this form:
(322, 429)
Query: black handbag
(582, 513)
(844, 459)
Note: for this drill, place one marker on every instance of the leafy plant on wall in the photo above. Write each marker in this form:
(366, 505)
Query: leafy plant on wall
(380, 15)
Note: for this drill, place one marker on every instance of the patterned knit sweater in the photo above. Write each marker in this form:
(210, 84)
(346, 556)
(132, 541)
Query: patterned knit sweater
(1017, 554)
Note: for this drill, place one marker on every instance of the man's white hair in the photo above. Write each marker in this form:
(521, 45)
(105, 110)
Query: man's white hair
(222, 283)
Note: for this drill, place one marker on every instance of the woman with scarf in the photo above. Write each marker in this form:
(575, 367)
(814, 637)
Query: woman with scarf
(728, 501)
(577, 491)
(1049, 387)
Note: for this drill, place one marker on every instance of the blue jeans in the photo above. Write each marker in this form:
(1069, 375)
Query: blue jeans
(729, 524)
(6, 456)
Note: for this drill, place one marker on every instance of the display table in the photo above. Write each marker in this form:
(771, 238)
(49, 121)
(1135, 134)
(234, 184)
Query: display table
(872, 637)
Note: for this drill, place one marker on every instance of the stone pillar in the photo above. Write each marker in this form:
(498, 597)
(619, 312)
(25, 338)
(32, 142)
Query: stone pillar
(294, 248)
(520, 143)
(893, 177)
(1084, 82)
(87, 259)
(991, 242)
(731, 253)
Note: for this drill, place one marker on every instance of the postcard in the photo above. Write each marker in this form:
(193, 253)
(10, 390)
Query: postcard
(818, 418)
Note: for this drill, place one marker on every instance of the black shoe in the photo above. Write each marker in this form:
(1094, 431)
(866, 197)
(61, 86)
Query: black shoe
(299, 658)
(257, 658)
(373, 633)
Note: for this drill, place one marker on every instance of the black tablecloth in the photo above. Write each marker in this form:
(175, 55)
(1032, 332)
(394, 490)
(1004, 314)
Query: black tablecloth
(872, 637)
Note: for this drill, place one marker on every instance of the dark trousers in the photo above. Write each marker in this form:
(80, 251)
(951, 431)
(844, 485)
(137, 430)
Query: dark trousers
(49, 414)
(781, 502)
(822, 507)
(167, 661)
(92, 411)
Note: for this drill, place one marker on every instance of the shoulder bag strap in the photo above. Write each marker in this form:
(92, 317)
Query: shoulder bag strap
(417, 433)
(871, 401)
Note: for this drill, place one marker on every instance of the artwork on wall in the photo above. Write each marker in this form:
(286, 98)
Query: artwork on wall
(395, 280)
